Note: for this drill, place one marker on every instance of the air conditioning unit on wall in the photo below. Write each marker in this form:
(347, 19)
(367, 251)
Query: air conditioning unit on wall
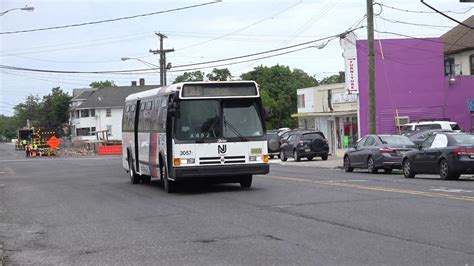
(402, 120)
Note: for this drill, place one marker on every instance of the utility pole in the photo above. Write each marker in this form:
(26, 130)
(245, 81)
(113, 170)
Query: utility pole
(162, 53)
(370, 39)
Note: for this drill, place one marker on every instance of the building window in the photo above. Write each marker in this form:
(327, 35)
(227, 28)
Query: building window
(109, 130)
(92, 112)
(448, 66)
(300, 99)
(108, 112)
(85, 113)
(471, 64)
(78, 114)
(85, 131)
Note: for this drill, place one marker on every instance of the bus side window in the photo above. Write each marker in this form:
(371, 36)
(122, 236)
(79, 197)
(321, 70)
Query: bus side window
(163, 113)
(131, 117)
(141, 118)
(156, 114)
(125, 117)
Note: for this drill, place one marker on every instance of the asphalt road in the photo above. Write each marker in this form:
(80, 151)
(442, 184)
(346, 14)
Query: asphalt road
(84, 211)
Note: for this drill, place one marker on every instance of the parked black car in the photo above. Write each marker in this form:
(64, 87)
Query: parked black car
(374, 152)
(418, 137)
(448, 154)
(300, 144)
(273, 143)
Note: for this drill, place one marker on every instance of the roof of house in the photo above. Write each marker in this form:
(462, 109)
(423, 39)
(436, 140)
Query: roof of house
(459, 38)
(327, 86)
(110, 96)
(81, 94)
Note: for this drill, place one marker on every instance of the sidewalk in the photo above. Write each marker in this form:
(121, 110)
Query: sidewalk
(331, 163)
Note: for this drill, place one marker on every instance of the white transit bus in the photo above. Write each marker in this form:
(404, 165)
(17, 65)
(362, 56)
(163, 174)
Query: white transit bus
(195, 130)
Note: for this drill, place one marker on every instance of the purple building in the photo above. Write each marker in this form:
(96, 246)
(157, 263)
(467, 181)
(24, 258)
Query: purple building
(410, 81)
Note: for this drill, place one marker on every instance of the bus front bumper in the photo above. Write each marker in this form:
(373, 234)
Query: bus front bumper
(192, 172)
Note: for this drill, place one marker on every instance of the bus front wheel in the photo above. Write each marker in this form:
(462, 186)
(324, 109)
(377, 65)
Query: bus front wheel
(246, 181)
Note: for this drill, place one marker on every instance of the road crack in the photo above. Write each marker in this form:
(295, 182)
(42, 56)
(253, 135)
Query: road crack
(360, 229)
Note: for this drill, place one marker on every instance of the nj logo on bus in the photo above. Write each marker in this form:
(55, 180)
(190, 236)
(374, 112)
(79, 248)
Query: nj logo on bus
(221, 149)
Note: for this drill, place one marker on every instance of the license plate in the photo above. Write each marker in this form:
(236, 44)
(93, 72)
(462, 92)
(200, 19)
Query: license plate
(307, 150)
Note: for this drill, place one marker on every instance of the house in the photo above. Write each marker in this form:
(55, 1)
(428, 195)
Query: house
(100, 109)
(459, 49)
(331, 110)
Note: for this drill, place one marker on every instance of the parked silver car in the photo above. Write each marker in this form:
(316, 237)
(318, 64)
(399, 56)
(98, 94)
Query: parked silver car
(374, 152)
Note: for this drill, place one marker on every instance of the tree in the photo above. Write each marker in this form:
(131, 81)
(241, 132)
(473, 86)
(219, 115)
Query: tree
(221, 74)
(102, 84)
(8, 128)
(55, 109)
(190, 76)
(52, 111)
(30, 110)
(278, 91)
(334, 79)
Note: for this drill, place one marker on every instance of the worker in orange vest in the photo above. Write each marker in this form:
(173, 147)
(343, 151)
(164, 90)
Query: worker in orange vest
(28, 150)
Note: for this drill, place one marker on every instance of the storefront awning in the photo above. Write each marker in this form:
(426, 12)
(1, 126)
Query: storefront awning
(324, 114)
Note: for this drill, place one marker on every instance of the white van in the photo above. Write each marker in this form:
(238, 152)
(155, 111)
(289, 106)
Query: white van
(424, 125)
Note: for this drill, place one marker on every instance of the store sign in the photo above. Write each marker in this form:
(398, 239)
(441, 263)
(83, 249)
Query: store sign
(344, 98)
(350, 57)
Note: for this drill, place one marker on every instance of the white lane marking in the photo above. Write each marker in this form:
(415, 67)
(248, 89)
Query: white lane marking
(2, 173)
(451, 190)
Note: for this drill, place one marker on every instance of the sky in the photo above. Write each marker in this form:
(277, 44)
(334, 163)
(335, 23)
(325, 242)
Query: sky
(220, 30)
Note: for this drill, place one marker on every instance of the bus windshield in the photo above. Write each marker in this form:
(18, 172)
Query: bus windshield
(201, 119)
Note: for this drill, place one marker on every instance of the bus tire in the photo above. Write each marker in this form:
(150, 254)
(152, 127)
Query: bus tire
(168, 185)
(146, 179)
(246, 181)
(134, 177)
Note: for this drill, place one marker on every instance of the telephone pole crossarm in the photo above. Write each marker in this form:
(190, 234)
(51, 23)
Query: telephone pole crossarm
(162, 52)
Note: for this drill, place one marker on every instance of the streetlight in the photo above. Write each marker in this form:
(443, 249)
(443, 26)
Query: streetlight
(26, 8)
(140, 60)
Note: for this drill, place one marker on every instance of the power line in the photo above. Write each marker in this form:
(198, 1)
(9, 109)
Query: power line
(112, 20)
(244, 61)
(268, 51)
(425, 12)
(243, 28)
(412, 23)
(187, 65)
(425, 39)
(444, 15)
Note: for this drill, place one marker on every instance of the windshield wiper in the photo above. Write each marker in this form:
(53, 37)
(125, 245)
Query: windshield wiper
(234, 130)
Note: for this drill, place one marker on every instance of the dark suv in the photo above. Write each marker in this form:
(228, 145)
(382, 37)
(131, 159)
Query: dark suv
(307, 144)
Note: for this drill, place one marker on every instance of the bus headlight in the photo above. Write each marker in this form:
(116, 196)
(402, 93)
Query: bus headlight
(186, 161)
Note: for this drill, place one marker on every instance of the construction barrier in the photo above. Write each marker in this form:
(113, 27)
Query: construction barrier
(110, 150)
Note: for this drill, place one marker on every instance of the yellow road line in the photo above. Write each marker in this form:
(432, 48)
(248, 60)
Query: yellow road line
(375, 188)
